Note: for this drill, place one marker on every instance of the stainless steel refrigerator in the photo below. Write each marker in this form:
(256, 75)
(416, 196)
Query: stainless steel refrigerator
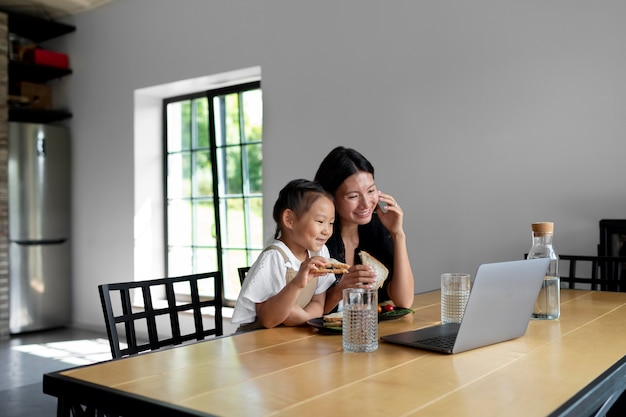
(39, 227)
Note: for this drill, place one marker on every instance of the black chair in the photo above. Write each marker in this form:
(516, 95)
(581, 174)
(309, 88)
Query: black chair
(160, 305)
(242, 273)
(612, 238)
(603, 273)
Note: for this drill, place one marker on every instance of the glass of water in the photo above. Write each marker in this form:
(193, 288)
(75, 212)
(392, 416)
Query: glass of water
(360, 320)
(455, 291)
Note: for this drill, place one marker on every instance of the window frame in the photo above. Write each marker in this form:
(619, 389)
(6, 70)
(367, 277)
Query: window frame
(210, 95)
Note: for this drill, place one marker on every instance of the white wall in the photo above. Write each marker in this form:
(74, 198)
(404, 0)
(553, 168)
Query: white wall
(480, 117)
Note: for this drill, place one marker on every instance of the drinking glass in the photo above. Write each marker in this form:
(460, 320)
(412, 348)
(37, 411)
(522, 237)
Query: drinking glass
(455, 291)
(360, 320)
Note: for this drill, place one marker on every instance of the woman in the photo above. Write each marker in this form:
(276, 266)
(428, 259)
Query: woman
(362, 224)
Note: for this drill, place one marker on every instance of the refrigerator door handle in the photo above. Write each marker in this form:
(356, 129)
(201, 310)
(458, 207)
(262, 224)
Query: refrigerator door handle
(40, 242)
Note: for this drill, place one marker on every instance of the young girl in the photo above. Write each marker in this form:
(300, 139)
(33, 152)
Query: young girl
(282, 286)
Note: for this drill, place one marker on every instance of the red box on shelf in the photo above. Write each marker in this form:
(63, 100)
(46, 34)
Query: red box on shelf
(44, 57)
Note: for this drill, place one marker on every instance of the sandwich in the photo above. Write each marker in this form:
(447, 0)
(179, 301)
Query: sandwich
(333, 319)
(332, 266)
(381, 270)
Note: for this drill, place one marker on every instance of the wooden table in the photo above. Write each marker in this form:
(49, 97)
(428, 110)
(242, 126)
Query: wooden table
(296, 371)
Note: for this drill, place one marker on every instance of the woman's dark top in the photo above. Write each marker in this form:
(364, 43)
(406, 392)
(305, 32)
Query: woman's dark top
(375, 240)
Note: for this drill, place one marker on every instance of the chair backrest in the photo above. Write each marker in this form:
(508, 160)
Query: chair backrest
(242, 273)
(612, 238)
(160, 306)
(604, 273)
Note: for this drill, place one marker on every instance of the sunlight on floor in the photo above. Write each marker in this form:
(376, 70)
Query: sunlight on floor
(75, 352)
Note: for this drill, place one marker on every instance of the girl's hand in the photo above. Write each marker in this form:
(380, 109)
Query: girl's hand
(307, 270)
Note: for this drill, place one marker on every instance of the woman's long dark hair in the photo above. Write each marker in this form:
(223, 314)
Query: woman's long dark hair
(338, 165)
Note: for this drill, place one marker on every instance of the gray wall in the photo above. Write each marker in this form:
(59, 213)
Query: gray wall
(480, 117)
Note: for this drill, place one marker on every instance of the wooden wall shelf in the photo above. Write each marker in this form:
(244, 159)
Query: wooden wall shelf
(36, 30)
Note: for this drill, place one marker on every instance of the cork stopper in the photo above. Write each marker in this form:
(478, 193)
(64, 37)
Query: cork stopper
(542, 228)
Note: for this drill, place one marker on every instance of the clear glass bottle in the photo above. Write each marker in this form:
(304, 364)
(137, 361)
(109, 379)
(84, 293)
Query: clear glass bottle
(548, 302)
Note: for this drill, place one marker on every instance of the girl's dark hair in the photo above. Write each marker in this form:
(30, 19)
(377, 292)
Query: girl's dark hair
(298, 196)
(338, 165)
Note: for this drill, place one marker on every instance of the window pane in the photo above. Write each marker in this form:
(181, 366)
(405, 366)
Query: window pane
(179, 175)
(254, 158)
(185, 129)
(234, 183)
(231, 282)
(205, 287)
(237, 258)
(219, 112)
(203, 174)
(179, 223)
(205, 260)
(174, 123)
(232, 119)
(253, 115)
(256, 222)
(201, 122)
(234, 259)
(179, 126)
(205, 224)
(180, 261)
(252, 255)
(234, 234)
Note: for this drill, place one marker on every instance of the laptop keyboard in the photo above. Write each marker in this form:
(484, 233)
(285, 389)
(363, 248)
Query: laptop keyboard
(445, 342)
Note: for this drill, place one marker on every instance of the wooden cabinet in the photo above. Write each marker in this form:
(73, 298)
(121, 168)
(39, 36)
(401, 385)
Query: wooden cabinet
(36, 30)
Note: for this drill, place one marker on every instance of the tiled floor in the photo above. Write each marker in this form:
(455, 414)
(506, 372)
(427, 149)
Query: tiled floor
(25, 358)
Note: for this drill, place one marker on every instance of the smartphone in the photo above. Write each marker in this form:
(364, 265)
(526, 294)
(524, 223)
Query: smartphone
(383, 206)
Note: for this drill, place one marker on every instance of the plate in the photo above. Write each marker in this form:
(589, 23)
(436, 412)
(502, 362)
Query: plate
(394, 314)
(319, 324)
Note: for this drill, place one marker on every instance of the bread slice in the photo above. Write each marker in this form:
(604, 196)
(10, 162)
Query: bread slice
(333, 319)
(381, 270)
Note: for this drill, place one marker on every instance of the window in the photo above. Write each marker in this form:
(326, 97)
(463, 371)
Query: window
(213, 184)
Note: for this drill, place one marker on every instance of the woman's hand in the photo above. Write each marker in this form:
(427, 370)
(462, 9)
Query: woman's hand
(358, 276)
(392, 216)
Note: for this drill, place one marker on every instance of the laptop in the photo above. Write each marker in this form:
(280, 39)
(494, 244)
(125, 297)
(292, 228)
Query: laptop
(499, 308)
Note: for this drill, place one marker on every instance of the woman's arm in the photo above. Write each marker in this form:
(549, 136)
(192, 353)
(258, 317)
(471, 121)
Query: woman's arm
(333, 295)
(401, 288)
(357, 276)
